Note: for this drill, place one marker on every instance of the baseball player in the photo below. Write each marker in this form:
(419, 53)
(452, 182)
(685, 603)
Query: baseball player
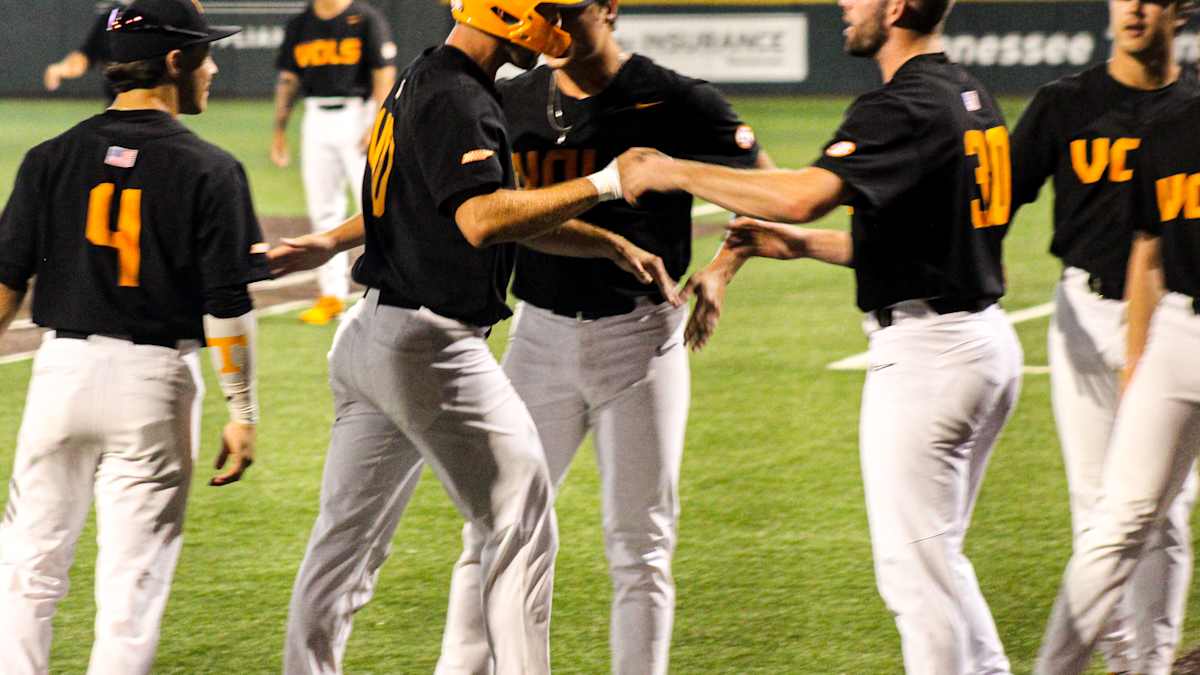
(338, 55)
(924, 162)
(594, 349)
(1157, 432)
(143, 239)
(412, 377)
(93, 52)
(1085, 131)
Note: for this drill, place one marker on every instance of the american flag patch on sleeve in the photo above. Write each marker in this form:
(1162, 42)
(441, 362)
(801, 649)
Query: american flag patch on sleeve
(971, 100)
(117, 156)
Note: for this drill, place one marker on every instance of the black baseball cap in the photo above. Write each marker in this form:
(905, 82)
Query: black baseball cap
(149, 28)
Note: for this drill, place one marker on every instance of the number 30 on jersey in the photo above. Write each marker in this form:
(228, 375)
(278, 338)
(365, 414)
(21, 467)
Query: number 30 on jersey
(994, 176)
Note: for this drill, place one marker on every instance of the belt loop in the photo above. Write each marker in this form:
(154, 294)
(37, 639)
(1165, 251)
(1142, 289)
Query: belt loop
(884, 317)
(1196, 306)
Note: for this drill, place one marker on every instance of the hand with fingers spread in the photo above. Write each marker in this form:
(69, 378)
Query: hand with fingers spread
(237, 449)
(306, 252)
(751, 237)
(646, 267)
(645, 170)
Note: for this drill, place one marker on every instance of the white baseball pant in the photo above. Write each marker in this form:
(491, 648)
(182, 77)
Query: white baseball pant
(412, 386)
(1087, 352)
(626, 378)
(938, 392)
(332, 161)
(1154, 445)
(120, 421)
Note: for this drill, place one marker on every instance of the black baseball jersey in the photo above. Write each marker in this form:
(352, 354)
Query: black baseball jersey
(438, 141)
(926, 157)
(1086, 130)
(645, 105)
(1167, 197)
(335, 57)
(132, 225)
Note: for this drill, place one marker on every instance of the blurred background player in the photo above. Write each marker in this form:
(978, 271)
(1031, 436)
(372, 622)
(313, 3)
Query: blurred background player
(1156, 435)
(924, 162)
(413, 379)
(593, 348)
(93, 53)
(339, 55)
(142, 238)
(1085, 131)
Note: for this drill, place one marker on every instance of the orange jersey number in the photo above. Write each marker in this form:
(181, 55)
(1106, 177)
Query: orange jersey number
(127, 238)
(994, 176)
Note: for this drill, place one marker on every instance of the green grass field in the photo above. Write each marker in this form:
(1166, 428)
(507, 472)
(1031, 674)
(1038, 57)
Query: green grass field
(773, 567)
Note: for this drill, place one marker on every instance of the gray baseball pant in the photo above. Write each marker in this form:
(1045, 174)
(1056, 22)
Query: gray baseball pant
(626, 379)
(411, 386)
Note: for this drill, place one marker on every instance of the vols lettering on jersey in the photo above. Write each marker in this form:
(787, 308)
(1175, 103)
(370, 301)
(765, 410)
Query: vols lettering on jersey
(537, 169)
(1178, 195)
(1106, 153)
(644, 105)
(335, 57)
(316, 53)
(381, 155)
(1086, 132)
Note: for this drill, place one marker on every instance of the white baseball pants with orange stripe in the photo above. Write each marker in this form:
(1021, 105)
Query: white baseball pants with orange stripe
(1087, 352)
(117, 421)
(938, 392)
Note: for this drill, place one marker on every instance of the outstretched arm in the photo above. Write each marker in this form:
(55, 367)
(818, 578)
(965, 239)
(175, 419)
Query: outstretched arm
(578, 239)
(310, 251)
(794, 196)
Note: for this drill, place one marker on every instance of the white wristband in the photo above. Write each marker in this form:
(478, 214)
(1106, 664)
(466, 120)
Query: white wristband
(607, 182)
(231, 346)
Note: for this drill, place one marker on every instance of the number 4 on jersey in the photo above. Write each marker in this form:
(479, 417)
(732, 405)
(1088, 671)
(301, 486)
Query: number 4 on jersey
(127, 239)
(994, 176)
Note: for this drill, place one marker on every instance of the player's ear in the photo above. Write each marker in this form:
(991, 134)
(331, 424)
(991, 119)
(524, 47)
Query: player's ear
(175, 65)
(896, 9)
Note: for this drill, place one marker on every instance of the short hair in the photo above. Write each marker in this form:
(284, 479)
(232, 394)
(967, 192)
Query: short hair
(925, 16)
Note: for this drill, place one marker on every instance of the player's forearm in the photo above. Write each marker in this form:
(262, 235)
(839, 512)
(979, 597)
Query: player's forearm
(726, 263)
(350, 234)
(831, 246)
(232, 343)
(10, 302)
(286, 89)
(1143, 290)
(518, 215)
(577, 239)
(778, 194)
(382, 80)
(73, 65)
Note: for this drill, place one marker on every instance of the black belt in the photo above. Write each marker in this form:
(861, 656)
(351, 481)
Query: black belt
(886, 318)
(591, 314)
(170, 343)
(1106, 289)
(331, 106)
(393, 300)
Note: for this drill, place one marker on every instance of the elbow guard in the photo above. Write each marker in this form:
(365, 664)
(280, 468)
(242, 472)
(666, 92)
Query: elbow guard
(231, 347)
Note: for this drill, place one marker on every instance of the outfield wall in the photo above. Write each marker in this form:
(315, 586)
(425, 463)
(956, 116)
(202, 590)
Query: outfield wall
(743, 45)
